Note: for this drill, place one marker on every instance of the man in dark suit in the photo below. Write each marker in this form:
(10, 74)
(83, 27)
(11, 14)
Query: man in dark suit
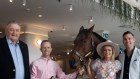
(14, 58)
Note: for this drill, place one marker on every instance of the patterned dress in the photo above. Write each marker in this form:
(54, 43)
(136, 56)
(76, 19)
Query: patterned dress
(106, 69)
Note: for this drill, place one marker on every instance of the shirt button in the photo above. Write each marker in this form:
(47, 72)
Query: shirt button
(13, 69)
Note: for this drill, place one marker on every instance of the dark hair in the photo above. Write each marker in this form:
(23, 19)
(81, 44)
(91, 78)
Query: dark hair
(128, 32)
(45, 41)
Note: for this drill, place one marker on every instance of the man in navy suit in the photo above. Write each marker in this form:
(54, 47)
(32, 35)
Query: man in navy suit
(14, 57)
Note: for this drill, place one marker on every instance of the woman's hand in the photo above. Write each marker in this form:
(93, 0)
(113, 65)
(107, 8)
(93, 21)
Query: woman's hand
(89, 63)
(91, 73)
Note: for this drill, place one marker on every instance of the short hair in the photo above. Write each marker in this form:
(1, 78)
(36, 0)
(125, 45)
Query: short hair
(12, 22)
(43, 41)
(128, 32)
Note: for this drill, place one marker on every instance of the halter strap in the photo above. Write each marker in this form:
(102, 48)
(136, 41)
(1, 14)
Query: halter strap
(91, 52)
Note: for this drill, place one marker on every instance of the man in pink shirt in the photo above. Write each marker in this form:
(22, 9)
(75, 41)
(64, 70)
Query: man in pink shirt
(46, 68)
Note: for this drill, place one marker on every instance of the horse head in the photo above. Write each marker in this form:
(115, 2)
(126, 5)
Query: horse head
(84, 47)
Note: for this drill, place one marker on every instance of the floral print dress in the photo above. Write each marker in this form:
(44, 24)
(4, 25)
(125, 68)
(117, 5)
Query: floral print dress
(106, 69)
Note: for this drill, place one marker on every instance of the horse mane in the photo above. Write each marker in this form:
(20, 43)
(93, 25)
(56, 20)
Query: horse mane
(96, 34)
(99, 37)
(83, 36)
(95, 55)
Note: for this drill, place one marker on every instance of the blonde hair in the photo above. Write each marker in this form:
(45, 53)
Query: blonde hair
(113, 52)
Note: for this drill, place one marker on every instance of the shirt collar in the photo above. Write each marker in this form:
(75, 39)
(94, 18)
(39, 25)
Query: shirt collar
(44, 58)
(131, 51)
(10, 42)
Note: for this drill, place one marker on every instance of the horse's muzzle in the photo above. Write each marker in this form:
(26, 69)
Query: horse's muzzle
(72, 64)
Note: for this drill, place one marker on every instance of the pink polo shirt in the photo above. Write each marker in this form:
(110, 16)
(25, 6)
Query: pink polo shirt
(43, 68)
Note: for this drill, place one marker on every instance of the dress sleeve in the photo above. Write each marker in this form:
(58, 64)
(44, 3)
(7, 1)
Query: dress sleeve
(95, 64)
(62, 75)
(33, 71)
(117, 65)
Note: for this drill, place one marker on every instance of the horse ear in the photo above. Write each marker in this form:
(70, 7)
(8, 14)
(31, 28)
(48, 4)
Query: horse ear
(81, 28)
(91, 28)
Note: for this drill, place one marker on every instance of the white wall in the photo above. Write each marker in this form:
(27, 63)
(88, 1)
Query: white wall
(34, 48)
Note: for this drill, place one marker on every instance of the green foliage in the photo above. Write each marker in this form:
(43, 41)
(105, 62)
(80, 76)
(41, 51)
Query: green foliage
(123, 10)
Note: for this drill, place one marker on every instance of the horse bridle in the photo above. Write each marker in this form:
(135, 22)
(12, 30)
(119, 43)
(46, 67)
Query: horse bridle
(82, 57)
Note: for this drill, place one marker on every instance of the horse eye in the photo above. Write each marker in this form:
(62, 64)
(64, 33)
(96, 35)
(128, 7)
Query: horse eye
(84, 41)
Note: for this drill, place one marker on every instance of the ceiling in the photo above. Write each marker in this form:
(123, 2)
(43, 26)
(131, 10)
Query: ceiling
(50, 16)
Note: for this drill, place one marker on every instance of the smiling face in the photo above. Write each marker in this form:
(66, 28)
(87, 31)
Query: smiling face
(13, 32)
(46, 49)
(107, 52)
(129, 41)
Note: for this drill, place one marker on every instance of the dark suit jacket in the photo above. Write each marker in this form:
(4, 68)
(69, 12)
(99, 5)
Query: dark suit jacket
(7, 68)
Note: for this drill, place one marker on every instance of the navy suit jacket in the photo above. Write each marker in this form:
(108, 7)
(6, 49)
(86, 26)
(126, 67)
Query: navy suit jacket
(7, 68)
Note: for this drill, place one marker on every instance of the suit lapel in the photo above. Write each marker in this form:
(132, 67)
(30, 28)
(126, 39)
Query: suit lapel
(134, 56)
(23, 49)
(7, 49)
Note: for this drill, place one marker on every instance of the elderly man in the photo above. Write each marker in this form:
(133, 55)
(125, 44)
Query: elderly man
(14, 58)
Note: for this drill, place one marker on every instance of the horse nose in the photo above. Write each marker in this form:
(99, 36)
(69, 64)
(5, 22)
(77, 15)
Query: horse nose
(72, 64)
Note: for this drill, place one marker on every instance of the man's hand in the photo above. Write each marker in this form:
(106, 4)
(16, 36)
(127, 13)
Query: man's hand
(89, 62)
(81, 70)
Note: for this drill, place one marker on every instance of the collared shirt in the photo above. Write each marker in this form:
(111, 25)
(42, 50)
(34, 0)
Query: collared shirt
(127, 65)
(44, 68)
(17, 58)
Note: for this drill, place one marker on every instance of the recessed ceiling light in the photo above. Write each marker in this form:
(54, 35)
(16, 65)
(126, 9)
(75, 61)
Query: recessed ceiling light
(71, 7)
(40, 16)
(24, 3)
(90, 19)
(27, 9)
(39, 7)
(11, 1)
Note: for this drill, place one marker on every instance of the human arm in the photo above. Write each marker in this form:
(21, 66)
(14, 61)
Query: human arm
(33, 70)
(91, 73)
(118, 67)
(62, 75)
